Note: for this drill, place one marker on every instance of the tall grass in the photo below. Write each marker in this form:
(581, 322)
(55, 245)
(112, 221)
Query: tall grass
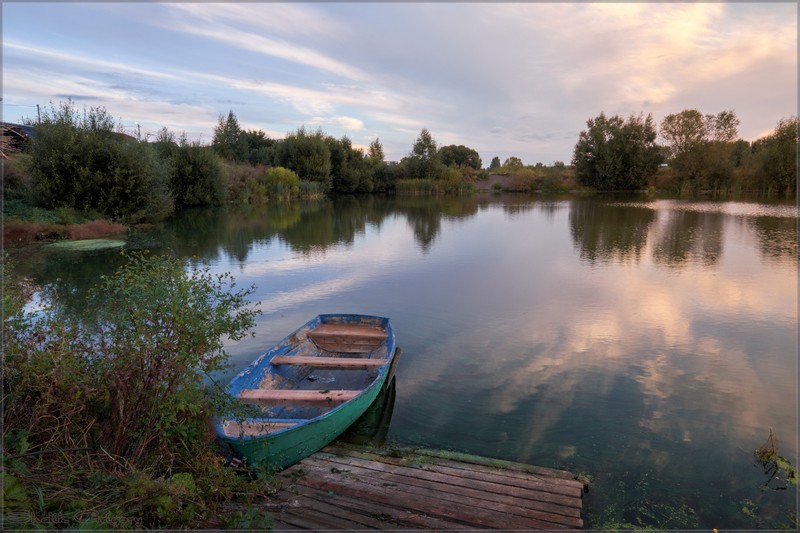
(423, 187)
(311, 189)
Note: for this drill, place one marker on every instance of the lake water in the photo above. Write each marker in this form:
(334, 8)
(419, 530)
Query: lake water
(650, 345)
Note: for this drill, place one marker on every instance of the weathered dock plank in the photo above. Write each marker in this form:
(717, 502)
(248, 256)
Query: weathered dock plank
(350, 487)
(461, 488)
(387, 518)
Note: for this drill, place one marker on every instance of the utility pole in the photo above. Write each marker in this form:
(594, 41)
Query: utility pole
(38, 115)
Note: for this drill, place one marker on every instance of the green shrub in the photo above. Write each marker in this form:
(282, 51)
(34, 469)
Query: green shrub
(282, 183)
(523, 180)
(239, 177)
(79, 161)
(256, 191)
(17, 177)
(196, 177)
(106, 417)
(307, 154)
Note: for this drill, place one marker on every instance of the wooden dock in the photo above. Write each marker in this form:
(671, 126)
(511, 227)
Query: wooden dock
(350, 487)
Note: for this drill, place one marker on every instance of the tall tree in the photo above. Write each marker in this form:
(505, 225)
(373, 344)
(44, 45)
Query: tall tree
(196, 177)
(513, 163)
(423, 161)
(722, 127)
(776, 157)
(376, 150)
(459, 156)
(308, 154)
(228, 141)
(349, 167)
(702, 147)
(495, 163)
(257, 147)
(683, 131)
(616, 154)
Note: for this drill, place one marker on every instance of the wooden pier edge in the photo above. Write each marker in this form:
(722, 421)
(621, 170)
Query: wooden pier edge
(495, 463)
(346, 487)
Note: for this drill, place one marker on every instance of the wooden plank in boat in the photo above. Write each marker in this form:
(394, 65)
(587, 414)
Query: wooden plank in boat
(234, 428)
(341, 363)
(292, 397)
(348, 338)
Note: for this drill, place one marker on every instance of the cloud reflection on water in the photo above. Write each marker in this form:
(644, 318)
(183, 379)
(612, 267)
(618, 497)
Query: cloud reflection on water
(705, 340)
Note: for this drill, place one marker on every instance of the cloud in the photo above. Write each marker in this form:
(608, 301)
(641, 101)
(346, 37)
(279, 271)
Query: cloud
(506, 79)
(24, 52)
(272, 47)
(347, 123)
(292, 20)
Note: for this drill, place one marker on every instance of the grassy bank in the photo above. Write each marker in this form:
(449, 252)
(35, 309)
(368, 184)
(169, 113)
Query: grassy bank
(25, 223)
(27, 229)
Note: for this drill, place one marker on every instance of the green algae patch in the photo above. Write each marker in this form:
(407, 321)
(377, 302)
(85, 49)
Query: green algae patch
(86, 245)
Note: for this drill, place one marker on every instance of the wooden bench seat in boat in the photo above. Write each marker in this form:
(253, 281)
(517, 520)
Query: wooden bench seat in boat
(294, 397)
(337, 363)
(348, 338)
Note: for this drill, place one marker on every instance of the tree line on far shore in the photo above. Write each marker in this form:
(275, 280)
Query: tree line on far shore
(702, 154)
(81, 161)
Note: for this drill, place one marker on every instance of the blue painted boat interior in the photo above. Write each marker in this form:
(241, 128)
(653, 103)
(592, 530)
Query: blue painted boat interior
(261, 374)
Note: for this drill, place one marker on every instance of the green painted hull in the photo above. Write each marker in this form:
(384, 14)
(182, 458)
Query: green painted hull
(284, 448)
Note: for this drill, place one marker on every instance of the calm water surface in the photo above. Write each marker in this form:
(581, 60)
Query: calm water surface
(648, 344)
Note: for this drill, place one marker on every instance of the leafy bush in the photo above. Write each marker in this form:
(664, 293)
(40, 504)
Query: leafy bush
(282, 183)
(79, 161)
(307, 154)
(239, 177)
(16, 177)
(383, 177)
(106, 416)
(196, 177)
(523, 180)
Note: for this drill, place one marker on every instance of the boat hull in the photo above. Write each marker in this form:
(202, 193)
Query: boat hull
(280, 448)
(283, 449)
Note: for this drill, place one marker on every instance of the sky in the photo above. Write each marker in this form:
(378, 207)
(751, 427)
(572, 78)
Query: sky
(514, 79)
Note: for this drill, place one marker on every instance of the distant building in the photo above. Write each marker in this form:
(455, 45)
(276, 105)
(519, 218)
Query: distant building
(15, 137)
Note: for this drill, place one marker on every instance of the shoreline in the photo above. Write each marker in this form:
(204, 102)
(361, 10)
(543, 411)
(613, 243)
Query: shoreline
(26, 232)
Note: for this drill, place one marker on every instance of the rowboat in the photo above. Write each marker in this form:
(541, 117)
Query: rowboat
(308, 389)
